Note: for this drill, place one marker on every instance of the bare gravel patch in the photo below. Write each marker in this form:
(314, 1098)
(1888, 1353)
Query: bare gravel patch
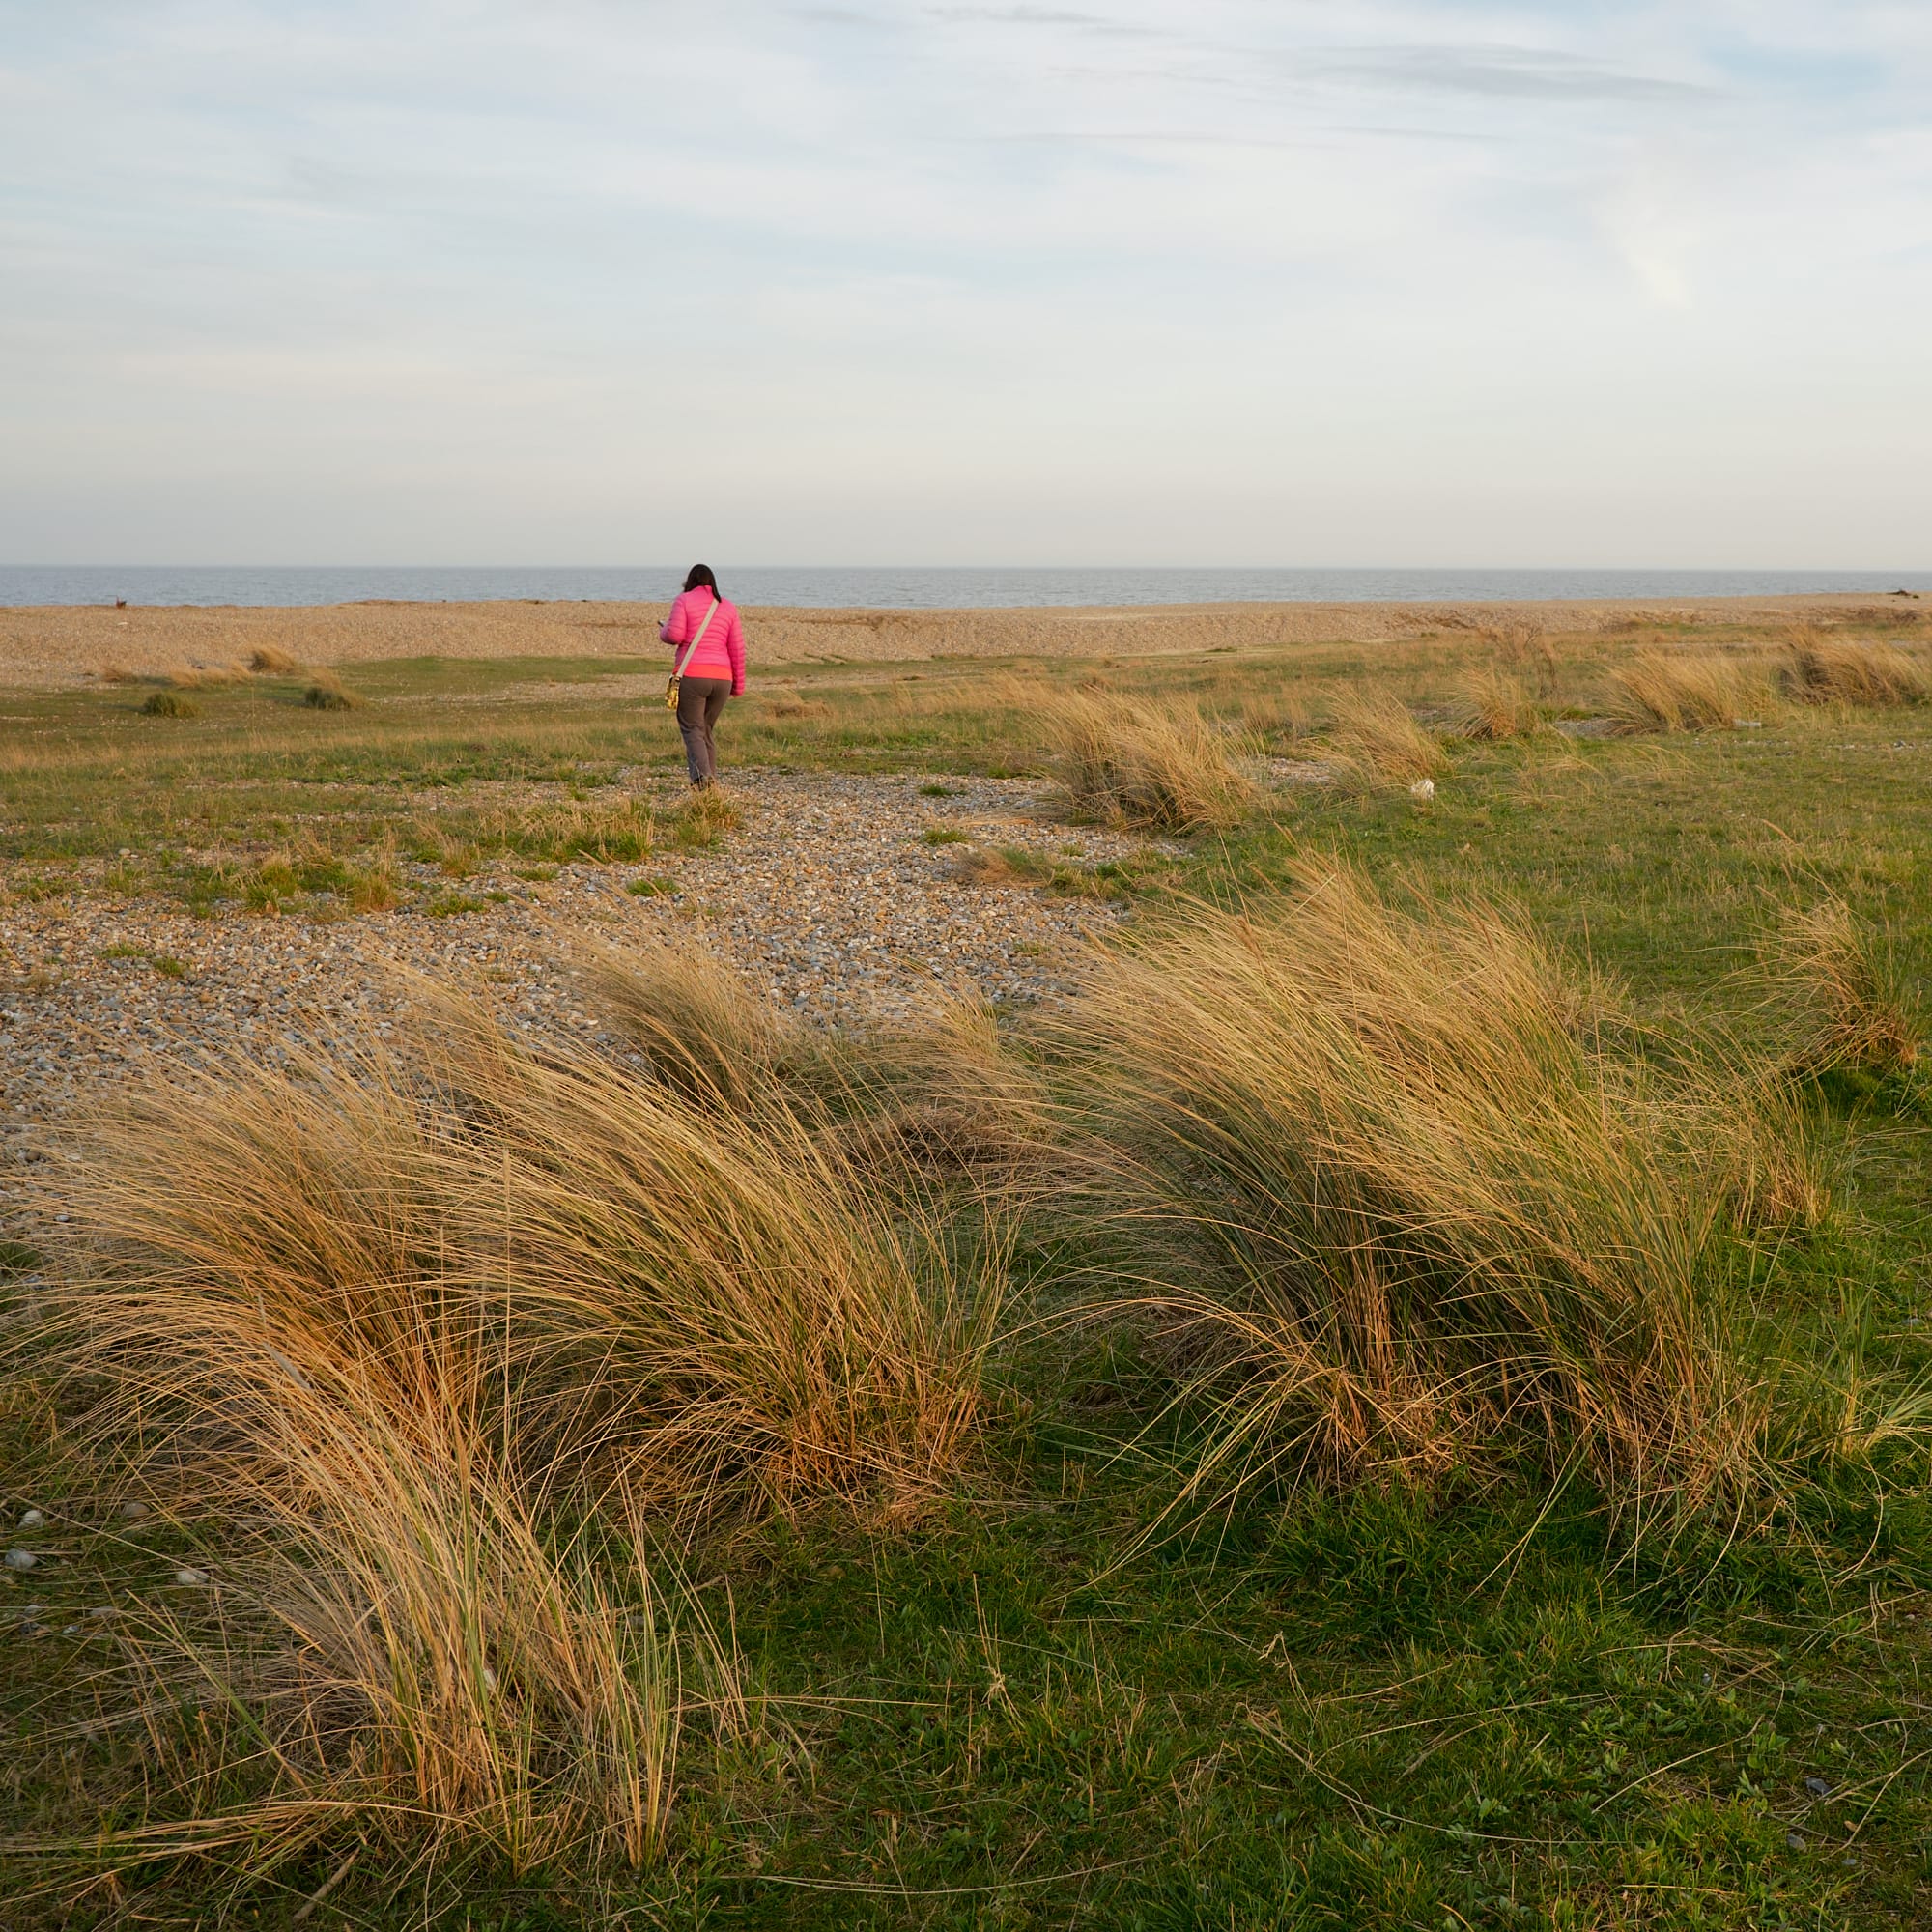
(829, 896)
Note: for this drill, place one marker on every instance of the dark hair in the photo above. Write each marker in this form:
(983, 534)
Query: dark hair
(701, 573)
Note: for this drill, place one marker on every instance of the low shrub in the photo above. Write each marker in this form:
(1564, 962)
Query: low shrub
(1524, 651)
(170, 704)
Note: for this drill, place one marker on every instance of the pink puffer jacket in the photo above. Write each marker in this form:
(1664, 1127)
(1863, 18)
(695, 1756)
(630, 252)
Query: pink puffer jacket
(722, 654)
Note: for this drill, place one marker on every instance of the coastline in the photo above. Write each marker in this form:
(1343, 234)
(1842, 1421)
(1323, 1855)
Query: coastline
(53, 645)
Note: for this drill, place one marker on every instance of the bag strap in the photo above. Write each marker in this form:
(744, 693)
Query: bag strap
(691, 649)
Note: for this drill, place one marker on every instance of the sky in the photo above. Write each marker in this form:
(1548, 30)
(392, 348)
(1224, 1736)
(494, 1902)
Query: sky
(1192, 282)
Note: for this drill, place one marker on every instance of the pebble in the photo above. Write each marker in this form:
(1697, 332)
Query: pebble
(32, 1520)
(20, 1559)
(133, 1512)
(1817, 1788)
(190, 1577)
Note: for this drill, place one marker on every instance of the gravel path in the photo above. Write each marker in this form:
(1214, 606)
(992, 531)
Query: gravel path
(828, 896)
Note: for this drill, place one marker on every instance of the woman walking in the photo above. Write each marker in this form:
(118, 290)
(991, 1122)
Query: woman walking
(708, 667)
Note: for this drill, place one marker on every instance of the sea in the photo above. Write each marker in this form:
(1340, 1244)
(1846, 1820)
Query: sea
(904, 588)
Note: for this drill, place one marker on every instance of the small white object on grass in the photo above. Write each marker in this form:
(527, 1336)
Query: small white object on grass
(33, 1519)
(20, 1559)
(1424, 789)
(190, 1577)
(131, 1511)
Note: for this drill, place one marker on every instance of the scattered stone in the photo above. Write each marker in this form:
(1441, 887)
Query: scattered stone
(190, 1577)
(1423, 788)
(32, 1520)
(1817, 1788)
(1794, 1840)
(133, 1512)
(20, 1559)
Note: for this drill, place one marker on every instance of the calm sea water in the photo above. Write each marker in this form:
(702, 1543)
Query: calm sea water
(911, 589)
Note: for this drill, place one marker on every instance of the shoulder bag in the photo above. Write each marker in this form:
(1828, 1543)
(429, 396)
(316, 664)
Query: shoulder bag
(690, 650)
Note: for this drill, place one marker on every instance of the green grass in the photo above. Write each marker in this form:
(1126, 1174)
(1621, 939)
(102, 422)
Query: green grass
(1340, 1712)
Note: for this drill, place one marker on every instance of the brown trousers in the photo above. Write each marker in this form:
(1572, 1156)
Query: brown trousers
(700, 704)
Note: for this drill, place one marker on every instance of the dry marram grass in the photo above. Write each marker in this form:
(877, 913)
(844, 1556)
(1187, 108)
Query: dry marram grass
(464, 1334)
(1428, 1230)
(327, 693)
(1492, 705)
(1125, 763)
(1376, 743)
(1834, 987)
(1823, 670)
(1658, 691)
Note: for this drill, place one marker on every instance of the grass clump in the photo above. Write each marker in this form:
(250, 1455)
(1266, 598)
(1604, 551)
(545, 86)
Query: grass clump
(704, 817)
(418, 1652)
(1839, 996)
(461, 1339)
(704, 1305)
(1492, 705)
(1662, 691)
(618, 832)
(1125, 763)
(1819, 669)
(327, 693)
(272, 660)
(700, 1029)
(1430, 1232)
(169, 704)
(1377, 744)
(453, 905)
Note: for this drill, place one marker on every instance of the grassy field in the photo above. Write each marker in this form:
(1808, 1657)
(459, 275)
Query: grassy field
(1407, 1407)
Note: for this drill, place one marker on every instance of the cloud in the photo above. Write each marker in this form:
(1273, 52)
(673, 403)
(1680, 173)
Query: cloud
(1504, 73)
(1234, 275)
(1037, 16)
